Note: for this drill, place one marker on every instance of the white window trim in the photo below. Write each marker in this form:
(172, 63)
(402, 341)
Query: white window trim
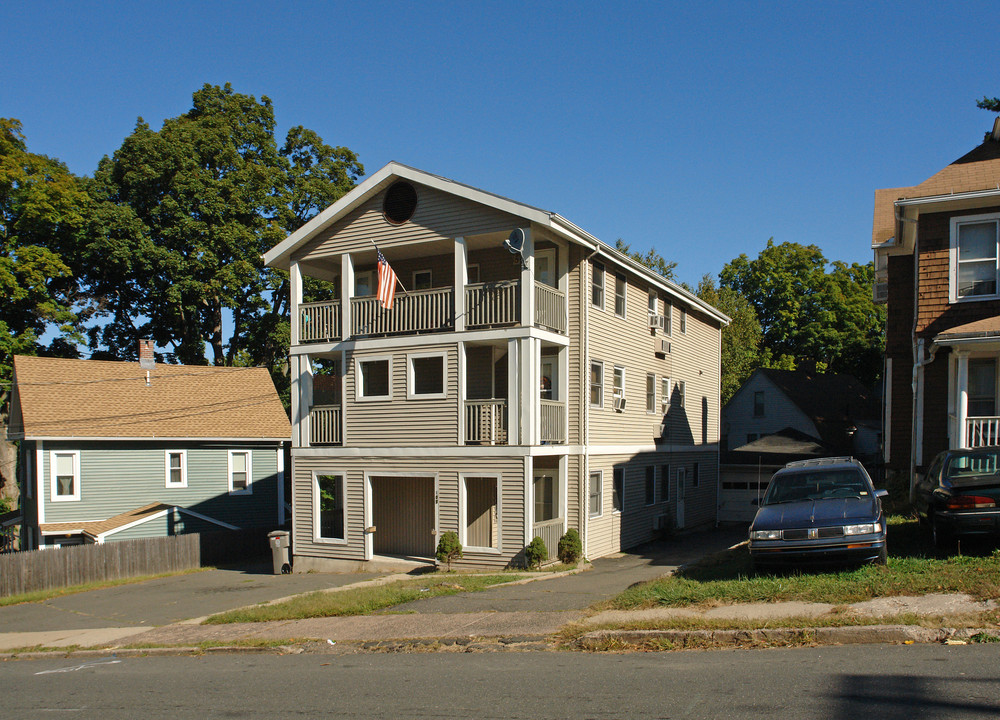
(684, 321)
(953, 257)
(604, 284)
(621, 495)
(600, 493)
(53, 485)
(429, 273)
(624, 279)
(317, 538)
(359, 379)
(229, 457)
(410, 394)
(668, 318)
(370, 274)
(682, 386)
(479, 276)
(649, 410)
(590, 384)
(614, 390)
(166, 469)
(665, 388)
(463, 513)
(652, 298)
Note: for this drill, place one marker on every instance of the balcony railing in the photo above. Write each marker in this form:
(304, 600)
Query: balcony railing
(549, 531)
(553, 421)
(486, 422)
(416, 311)
(982, 431)
(493, 304)
(550, 307)
(319, 321)
(324, 425)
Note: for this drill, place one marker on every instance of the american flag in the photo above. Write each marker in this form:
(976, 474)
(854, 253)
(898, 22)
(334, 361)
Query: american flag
(386, 282)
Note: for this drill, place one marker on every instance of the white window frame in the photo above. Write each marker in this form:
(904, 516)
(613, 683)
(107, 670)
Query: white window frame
(682, 391)
(166, 467)
(411, 393)
(665, 390)
(248, 490)
(621, 494)
(430, 279)
(359, 379)
(370, 276)
(317, 538)
(956, 223)
(473, 270)
(651, 397)
(651, 302)
(614, 388)
(54, 486)
(684, 321)
(668, 317)
(590, 384)
(594, 267)
(624, 295)
(600, 493)
(463, 513)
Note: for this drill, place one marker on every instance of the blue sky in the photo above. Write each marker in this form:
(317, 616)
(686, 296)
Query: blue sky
(700, 129)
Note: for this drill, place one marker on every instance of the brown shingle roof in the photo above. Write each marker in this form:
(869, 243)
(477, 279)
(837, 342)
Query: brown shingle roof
(985, 327)
(100, 399)
(977, 170)
(97, 527)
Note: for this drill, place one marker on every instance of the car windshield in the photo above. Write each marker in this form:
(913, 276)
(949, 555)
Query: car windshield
(974, 467)
(815, 485)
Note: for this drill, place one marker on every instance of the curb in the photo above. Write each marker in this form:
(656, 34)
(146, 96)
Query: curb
(848, 635)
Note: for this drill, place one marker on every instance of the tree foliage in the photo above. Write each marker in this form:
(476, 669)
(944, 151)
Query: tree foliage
(651, 259)
(741, 339)
(988, 103)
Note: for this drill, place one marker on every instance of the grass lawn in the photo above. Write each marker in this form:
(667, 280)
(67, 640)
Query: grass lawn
(913, 569)
(364, 600)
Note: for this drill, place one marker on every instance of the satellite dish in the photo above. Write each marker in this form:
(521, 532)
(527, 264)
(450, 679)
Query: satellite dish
(515, 242)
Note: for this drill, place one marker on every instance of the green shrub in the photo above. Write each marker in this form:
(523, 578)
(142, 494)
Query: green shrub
(536, 553)
(570, 547)
(449, 548)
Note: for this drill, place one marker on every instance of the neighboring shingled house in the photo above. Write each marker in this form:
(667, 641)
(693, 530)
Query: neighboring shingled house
(111, 450)
(778, 416)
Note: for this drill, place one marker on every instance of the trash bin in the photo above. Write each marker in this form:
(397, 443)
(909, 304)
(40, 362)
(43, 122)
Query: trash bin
(279, 541)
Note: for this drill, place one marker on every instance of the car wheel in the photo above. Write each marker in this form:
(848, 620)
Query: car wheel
(883, 555)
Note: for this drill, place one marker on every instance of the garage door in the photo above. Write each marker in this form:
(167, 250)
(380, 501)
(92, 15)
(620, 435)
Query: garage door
(403, 516)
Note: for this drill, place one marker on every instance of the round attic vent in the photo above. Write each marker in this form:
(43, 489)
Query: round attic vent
(400, 203)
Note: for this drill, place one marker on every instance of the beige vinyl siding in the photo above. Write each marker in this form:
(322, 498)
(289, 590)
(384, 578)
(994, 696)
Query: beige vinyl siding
(577, 385)
(439, 216)
(400, 422)
(574, 466)
(629, 343)
(448, 469)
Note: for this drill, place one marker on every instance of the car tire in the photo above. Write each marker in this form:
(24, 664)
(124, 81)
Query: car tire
(883, 555)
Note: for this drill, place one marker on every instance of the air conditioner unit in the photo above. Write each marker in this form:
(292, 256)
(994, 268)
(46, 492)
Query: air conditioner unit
(665, 347)
(880, 293)
(619, 403)
(656, 322)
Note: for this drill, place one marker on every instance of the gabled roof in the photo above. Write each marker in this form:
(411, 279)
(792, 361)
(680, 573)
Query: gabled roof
(59, 398)
(99, 529)
(975, 171)
(280, 255)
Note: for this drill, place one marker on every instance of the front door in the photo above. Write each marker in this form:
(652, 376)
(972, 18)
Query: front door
(545, 267)
(548, 513)
(681, 493)
(403, 516)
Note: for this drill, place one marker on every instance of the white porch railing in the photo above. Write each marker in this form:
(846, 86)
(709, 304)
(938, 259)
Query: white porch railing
(324, 425)
(486, 422)
(319, 321)
(416, 311)
(549, 531)
(550, 307)
(982, 431)
(494, 303)
(552, 421)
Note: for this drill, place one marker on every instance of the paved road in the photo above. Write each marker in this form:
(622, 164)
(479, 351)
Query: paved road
(838, 683)
(166, 600)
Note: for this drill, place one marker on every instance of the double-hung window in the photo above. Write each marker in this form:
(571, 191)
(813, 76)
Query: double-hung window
(618, 490)
(975, 259)
(240, 480)
(650, 484)
(65, 475)
(982, 387)
(597, 285)
(176, 469)
(620, 290)
(684, 320)
(596, 384)
(595, 492)
(681, 392)
(650, 393)
(664, 483)
(328, 504)
(619, 387)
(665, 395)
(758, 403)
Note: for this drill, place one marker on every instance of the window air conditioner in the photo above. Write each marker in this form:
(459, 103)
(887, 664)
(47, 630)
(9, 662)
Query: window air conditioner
(619, 403)
(656, 322)
(665, 347)
(880, 293)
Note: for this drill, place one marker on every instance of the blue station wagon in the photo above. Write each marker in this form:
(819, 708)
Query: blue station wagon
(819, 511)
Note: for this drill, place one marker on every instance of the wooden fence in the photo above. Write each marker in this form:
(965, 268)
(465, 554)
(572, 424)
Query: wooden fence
(23, 572)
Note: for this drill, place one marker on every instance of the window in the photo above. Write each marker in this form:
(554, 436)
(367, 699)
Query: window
(665, 395)
(596, 384)
(619, 382)
(681, 393)
(481, 524)
(546, 508)
(620, 286)
(176, 469)
(652, 302)
(974, 256)
(373, 379)
(668, 317)
(758, 403)
(664, 483)
(473, 273)
(595, 501)
(328, 502)
(650, 484)
(65, 475)
(982, 387)
(426, 376)
(651, 393)
(597, 285)
(618, 490)
(694, 475)
(363, 284)
(684, 320)
(240, 481)
(422, 280)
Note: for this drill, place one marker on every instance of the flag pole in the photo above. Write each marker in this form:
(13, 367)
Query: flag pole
(398, 281)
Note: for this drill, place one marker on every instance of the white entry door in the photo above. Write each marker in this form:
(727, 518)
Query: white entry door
(681, 493)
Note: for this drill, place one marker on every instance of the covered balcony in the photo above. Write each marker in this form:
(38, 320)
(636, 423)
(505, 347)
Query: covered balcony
(973, 367)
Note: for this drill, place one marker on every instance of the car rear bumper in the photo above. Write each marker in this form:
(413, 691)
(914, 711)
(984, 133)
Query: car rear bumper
(969, 522)
(861, 549)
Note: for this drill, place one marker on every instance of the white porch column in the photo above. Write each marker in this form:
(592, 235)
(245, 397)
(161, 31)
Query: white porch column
(295, 290)
(462, 390)
(461, 280)
(962, 396)
(528, 280)
(346, 293)
(514, 403)
(531, 358)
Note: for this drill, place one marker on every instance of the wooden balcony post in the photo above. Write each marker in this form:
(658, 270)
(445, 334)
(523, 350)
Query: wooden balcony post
(295, 288)
(346, 295)
(962, 387)
(528, 280)
(514, 403)
(461, 280)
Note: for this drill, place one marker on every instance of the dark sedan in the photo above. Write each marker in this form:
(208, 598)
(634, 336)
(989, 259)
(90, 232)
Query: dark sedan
(819, 511)
(959, 494)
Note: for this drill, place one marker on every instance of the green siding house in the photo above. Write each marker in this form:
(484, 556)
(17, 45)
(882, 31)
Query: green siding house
(122, 450)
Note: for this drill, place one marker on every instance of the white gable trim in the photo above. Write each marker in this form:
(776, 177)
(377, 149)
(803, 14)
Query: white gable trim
(103, 536)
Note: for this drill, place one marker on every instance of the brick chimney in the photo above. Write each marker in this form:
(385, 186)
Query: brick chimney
(147, 358)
